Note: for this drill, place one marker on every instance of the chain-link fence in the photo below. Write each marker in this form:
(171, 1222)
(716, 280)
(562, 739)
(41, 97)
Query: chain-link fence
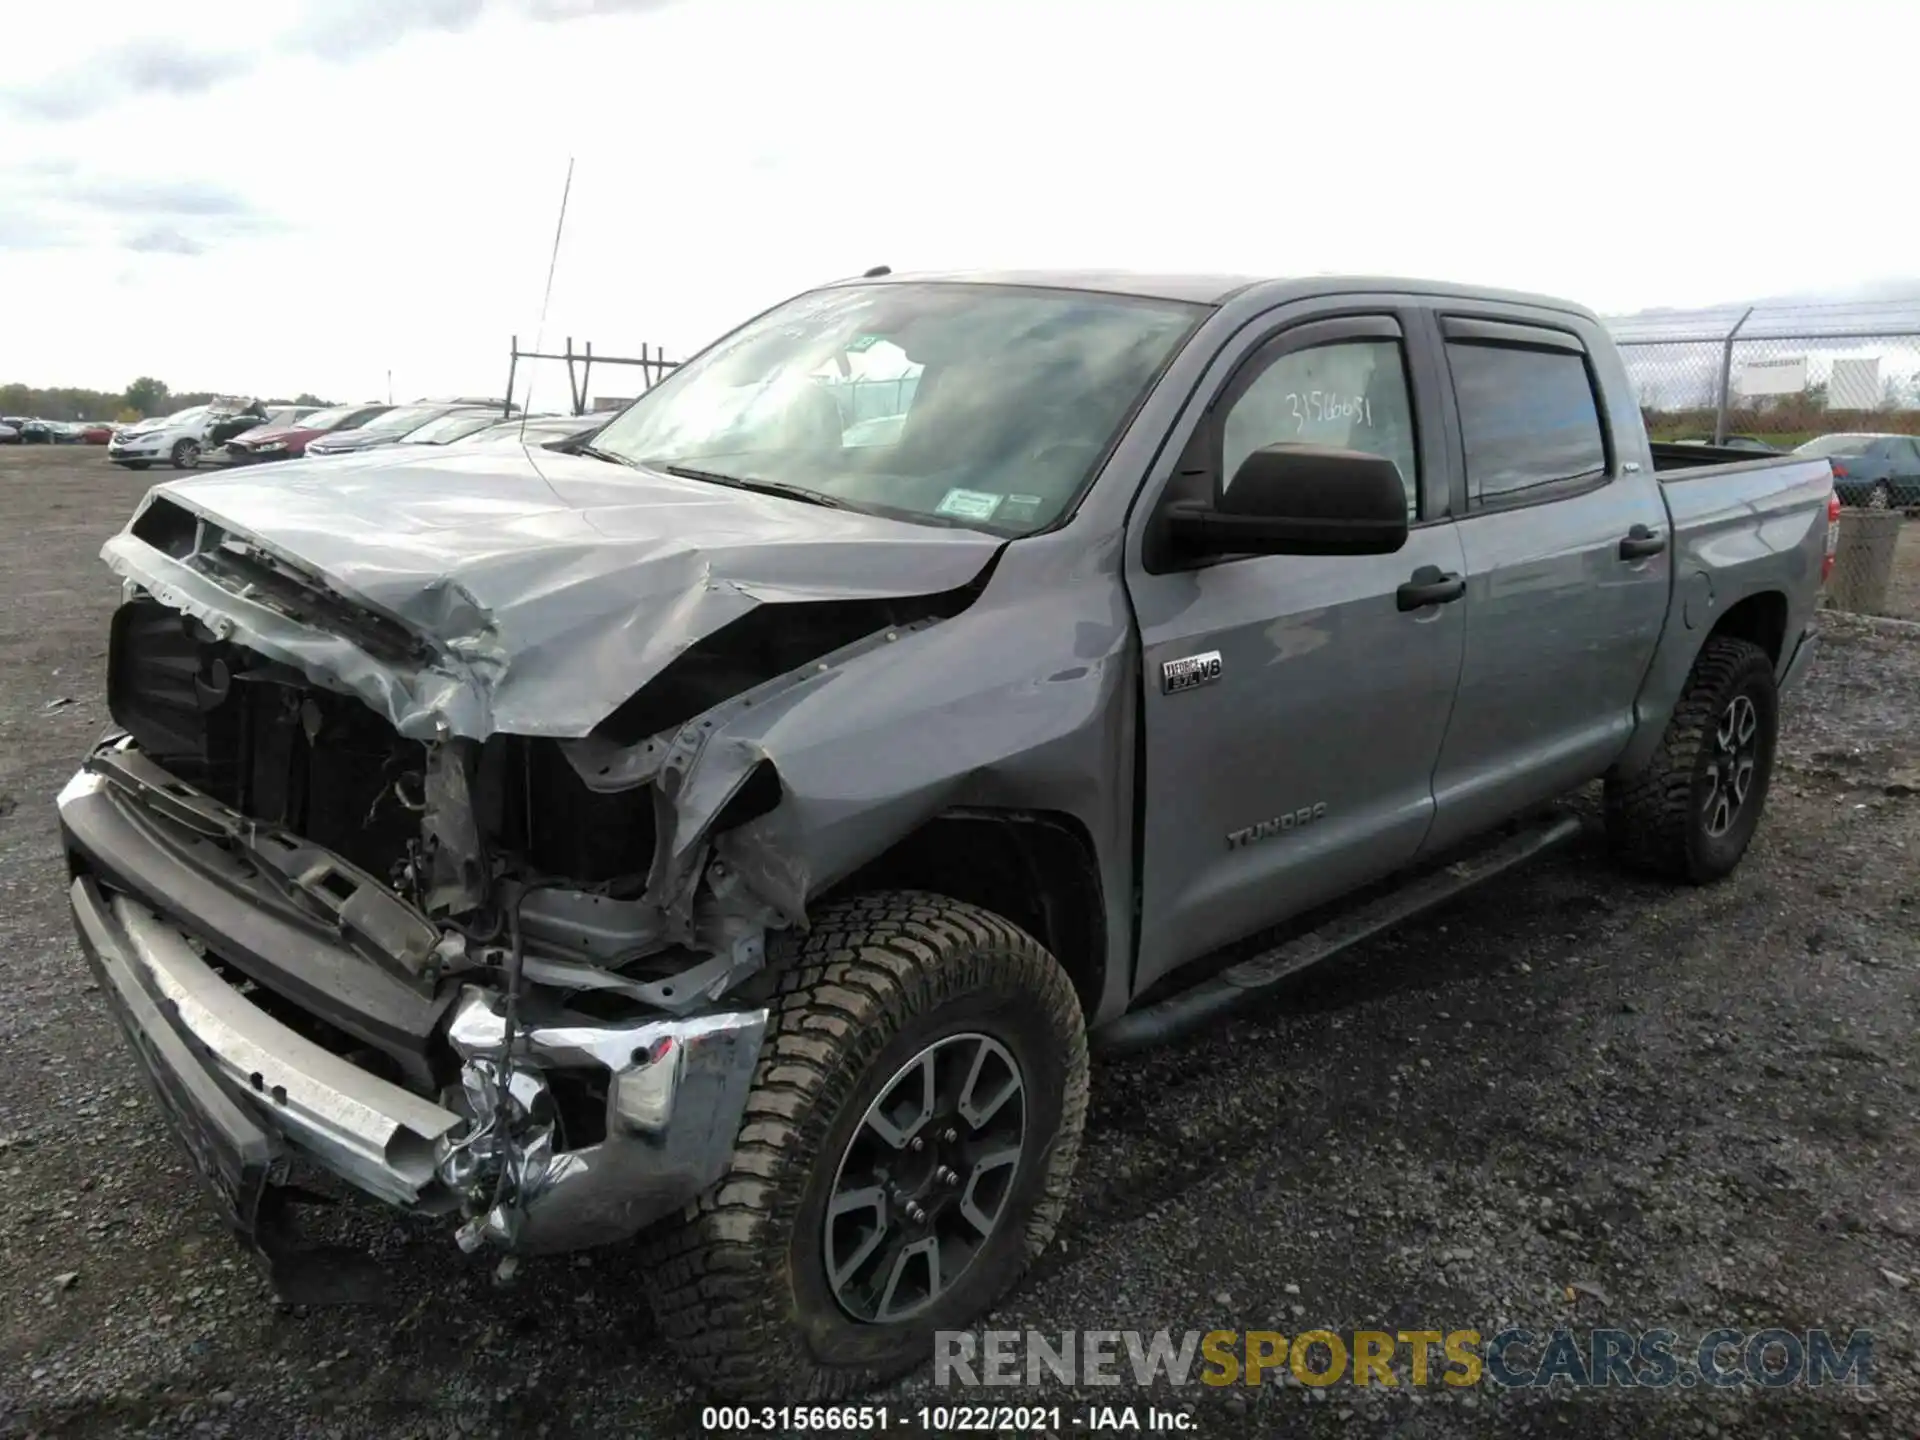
(1842, 378)
(1776, 376)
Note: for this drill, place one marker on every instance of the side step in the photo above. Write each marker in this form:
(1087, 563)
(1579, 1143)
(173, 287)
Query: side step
(1180, 1015)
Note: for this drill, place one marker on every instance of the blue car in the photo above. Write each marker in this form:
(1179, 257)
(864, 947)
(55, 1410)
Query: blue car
(1879, 472)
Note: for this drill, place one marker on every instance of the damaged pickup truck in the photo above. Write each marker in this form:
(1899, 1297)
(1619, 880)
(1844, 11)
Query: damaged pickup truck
(729, 836)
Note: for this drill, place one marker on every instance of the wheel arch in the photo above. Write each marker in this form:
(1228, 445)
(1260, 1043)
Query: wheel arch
(1760, 618)
(1035, 868)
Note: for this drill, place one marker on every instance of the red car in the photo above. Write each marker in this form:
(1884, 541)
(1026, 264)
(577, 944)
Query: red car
(288, 440)
(95, 433)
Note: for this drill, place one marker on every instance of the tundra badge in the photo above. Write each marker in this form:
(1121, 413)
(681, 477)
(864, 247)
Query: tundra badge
(1189, 672)
(1278, 825)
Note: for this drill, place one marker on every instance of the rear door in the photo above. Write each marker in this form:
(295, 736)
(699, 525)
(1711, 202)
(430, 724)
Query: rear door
(1292, 710)
(1568, 566)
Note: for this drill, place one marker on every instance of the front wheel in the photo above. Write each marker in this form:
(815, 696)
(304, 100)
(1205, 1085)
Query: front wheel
(907, 1150)
(186, 454)
(1690, 814)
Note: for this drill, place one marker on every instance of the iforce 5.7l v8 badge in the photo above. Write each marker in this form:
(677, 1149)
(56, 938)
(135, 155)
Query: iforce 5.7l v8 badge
(1189, 673)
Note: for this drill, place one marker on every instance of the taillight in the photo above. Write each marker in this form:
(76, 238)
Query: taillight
(1833, 534)
(1839, 471)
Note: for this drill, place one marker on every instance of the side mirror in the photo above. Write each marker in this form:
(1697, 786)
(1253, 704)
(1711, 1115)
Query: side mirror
(1300, 500)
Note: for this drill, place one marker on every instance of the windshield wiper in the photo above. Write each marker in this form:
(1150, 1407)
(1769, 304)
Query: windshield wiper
(598, 454)
(758, 487)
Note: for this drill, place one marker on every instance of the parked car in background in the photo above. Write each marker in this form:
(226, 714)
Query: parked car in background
(396, 424)
(180, 439)
(252, 418)
(1880, 472)
(9, 433)
(264, 417)
(47, 432)
(552, 432)
(289, 438)
(95, 432)
(459, 425)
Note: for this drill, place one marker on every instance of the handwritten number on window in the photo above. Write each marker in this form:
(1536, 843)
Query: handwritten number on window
(1315, 407)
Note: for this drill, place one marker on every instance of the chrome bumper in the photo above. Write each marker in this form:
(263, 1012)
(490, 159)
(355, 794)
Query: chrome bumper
(242, 1087)
(366, 1130)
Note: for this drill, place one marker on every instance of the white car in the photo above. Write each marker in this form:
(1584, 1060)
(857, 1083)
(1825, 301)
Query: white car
(178, 439)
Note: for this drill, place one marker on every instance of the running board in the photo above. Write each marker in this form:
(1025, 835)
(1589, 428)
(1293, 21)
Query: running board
(1179, 1015)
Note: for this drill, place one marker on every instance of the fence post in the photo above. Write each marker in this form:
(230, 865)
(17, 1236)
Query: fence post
(1726, 379)
(513, 363)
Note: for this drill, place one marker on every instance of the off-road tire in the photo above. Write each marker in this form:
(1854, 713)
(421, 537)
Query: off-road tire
(185, 455)
(1655, 817)
(739, 1283)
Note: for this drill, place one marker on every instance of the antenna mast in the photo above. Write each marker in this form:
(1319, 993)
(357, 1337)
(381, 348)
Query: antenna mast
(546, 296)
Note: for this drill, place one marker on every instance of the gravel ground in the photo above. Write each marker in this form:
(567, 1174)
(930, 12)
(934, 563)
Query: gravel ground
(1697, 1108)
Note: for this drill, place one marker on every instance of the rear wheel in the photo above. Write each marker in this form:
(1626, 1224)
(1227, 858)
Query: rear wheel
(906, 1152)
(1881, 498)
(186, 454)
(1691, 813)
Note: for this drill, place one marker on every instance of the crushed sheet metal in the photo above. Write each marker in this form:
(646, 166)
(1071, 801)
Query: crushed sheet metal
(550, 595)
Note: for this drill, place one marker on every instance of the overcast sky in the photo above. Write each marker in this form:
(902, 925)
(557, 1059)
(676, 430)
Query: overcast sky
(279, 195)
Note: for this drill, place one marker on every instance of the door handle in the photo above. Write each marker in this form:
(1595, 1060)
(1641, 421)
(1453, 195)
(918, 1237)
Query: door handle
(1640, 542)
(1430, 585)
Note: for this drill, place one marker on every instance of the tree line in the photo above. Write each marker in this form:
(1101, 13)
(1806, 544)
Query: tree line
(144, 398)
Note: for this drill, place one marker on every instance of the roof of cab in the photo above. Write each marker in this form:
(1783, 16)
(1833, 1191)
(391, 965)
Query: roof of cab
(1209, 289)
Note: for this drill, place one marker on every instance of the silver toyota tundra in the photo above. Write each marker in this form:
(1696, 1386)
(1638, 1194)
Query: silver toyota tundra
(729, 834)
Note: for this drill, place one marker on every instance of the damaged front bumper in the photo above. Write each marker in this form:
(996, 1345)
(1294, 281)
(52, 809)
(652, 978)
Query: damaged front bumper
(218, 991)
(676, 1092)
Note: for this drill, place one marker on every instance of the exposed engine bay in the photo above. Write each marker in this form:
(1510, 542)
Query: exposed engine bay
(454, 828)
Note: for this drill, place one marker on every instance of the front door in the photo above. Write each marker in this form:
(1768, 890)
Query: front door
(1293, 708)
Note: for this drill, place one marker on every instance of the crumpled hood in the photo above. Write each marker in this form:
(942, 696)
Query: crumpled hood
(548, 594)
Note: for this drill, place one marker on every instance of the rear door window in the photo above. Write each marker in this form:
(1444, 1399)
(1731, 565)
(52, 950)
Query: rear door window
(1529, 418)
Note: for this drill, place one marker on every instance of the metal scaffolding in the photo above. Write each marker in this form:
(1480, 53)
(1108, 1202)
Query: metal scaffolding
(653, 365)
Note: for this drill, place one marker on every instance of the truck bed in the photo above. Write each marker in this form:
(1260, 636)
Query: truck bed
(1695, 459)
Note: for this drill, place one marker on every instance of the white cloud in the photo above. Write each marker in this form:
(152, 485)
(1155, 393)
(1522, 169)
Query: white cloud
(391, 171)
